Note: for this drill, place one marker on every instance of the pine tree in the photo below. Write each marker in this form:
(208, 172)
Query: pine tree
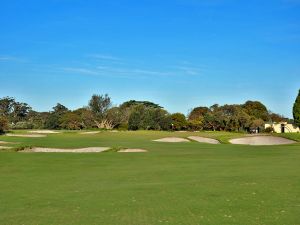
(296, 110)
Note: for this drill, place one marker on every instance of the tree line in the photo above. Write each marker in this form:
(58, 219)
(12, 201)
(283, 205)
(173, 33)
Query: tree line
(139, 115)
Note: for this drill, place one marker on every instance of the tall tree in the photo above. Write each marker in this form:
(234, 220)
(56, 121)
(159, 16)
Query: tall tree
(6, 106)
(20, 111)
(60, 109)
(198, 113)
(256, 109)
(296, 110)
(144, 103)
(179, 121)
(99, 104)
(53, 120)
(3, 124)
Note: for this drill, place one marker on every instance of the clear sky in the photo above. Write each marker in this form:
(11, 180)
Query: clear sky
(178, 53)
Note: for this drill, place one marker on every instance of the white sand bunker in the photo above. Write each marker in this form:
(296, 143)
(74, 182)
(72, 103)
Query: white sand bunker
(261, 140)
(172, 140)
(133, 150)
(204, 140)
(43, 132)
(26, 135)
(78, 150)
(5, 147)
(91, 132)
(6, 143)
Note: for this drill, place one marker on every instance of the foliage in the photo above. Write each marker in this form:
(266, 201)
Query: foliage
(296, 110)
(70, 121)
(179, 121)
(134, 122)
(3, 124)
(257, 123)
(269, 130)
(198, 113)
(148, 118)
(14, 111)
(256, 109)
(140, 115)
(53, 120)
(274, 117)
(60, 109)
(86, 117)
(144, 103)
(195, 124)
(6, 106)
(22, 125)
(99, 104)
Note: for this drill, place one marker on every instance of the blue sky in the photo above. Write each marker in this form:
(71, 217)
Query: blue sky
(178, 53)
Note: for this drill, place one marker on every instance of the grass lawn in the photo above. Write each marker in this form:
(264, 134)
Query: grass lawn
(174, 183)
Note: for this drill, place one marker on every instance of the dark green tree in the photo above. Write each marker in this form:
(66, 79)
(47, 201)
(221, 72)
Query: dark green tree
(134, 121)
(6, 106)
(179, 121)
(296, 110)
(144, 103)
(99, 104)
(3, 124)
(198, 113)
(70, 121)
(257, 110)
(53, 120)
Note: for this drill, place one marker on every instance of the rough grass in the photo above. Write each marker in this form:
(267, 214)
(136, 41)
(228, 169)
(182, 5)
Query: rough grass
(174, 183)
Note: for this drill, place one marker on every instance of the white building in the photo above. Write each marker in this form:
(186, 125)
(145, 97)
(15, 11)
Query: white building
(283, 127)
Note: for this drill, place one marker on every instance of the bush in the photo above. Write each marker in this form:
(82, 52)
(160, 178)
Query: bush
(3, 125)
(22, 125)
(134, 121)
(196, 124)
(70, 121)
(122, 126)
(269, 130)
(179, 121)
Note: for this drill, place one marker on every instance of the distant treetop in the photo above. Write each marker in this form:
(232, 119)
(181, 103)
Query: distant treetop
(144, 103)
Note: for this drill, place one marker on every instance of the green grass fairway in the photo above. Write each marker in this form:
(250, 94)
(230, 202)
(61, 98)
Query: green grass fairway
(174, 183)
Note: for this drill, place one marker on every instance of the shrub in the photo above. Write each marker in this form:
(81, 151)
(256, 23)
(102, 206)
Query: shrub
(22, 125)
(3, 125)
(269, 130)
(179, 121)
(70, 121)
(123, 126)
(134, 120)
(196, 124)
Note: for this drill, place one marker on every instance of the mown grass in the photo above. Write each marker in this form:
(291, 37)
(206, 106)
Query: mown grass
(292, 136)
(174, 183)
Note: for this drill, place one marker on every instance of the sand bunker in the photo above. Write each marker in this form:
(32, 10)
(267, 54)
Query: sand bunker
(5, 147)
(5, 143)
(91, 132)
(26, 135)
(78, 150)
(172, 140)
(204, 140)
(133, 150)
(261, 140)
(43, 132)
